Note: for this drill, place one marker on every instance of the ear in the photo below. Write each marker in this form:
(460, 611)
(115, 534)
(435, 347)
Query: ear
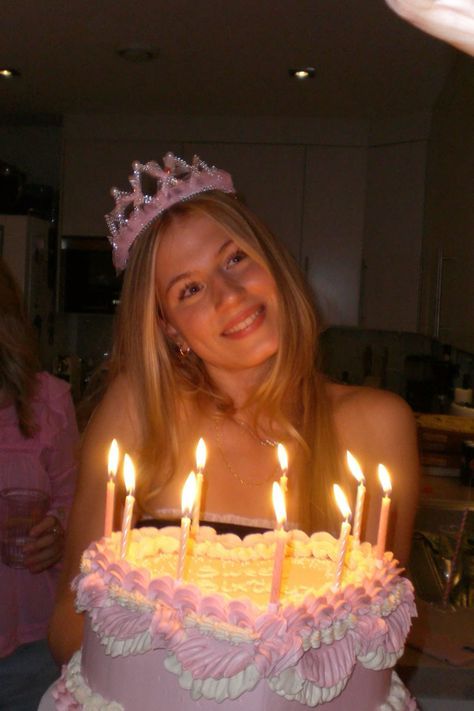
(170, 330)
(172, 333)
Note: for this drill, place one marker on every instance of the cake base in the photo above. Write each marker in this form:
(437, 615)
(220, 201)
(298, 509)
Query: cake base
(73, 692)
(87, 679)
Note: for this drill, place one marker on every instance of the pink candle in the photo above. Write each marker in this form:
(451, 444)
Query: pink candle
(129, 476)
(283, 459)
(187, 502)
(384, 511)
(356, 471)
(110, 493)
(200, 464)
(280, 544)
(343, 536)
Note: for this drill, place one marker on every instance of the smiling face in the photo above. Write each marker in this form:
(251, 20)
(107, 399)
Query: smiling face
(216, 299)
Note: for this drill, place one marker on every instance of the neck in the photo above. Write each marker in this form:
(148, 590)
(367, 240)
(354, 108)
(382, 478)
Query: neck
(239, 385)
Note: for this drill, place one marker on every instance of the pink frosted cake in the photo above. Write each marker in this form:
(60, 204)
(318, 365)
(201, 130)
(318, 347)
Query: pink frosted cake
(211, 642)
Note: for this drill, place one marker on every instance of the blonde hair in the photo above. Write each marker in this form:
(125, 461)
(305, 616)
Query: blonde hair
(18, 352)
(293, 393)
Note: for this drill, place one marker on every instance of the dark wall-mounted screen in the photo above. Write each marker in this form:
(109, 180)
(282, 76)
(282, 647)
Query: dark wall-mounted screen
(88, 283)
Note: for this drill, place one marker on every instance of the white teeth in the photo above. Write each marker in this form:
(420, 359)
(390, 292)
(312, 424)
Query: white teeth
(245, 324)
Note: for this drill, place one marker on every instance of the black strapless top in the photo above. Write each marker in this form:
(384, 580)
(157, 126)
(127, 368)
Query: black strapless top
(221, 528)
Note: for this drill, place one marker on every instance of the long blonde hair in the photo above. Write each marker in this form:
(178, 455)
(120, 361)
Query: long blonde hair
(293, 393)
(19, 361)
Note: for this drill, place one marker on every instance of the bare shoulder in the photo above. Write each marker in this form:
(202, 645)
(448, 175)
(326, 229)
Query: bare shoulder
(379, 427)
(372, 409)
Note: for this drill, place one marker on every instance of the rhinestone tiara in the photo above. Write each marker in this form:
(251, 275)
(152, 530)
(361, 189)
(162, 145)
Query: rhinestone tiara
(154, 190)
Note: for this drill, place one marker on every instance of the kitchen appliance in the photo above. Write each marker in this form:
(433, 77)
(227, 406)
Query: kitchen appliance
(88, 282)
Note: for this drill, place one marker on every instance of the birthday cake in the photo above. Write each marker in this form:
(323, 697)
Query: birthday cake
(212, 641)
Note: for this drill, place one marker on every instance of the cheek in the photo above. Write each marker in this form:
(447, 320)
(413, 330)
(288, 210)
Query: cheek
(261, 280)
(191, 322)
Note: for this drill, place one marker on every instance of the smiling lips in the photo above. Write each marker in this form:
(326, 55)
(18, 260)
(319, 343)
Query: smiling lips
(245, 323)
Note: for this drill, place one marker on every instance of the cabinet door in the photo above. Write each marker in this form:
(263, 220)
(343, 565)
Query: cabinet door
(393, 236)
(268, 177)
(333, 223)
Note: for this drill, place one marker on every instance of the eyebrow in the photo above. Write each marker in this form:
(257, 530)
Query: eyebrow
(187, 275)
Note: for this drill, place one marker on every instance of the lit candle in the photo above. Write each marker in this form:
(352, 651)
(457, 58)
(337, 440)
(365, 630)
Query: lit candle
(280, 542)
(344, 535)
(129, 476)
(283, 459)
(356, 471)
(187, 502)
(384, 511)
(200, 464)
(110, 495)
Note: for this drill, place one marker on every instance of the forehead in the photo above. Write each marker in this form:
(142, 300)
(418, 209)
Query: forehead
(188, 241)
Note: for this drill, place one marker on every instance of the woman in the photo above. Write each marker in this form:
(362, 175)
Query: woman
(216, 337)
(38, 436)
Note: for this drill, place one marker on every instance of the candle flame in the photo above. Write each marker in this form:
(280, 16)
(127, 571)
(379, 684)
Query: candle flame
(342, 501)
(282, 457)
(129, 474)
(354, 467)
(113, 459)
(279, 504)
(384, 478)
(201, 455)
(188, 494)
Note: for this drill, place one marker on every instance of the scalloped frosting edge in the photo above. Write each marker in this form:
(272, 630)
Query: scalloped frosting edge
(72, 692)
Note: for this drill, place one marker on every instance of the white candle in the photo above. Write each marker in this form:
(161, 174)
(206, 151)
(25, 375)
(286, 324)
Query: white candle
(200, 464)
(343, 536)
(384, 511)
(187, 502)
(356, 471)
(129, 476)
(283, 459)
(110, 493)
(280, 543)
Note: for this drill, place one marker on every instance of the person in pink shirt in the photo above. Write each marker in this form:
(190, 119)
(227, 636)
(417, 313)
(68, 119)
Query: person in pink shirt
(38, 439)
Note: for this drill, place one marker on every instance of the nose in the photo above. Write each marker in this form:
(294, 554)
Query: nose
(226, 290)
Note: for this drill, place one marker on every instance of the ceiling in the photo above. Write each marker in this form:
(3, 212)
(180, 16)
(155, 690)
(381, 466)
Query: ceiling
(217, 57)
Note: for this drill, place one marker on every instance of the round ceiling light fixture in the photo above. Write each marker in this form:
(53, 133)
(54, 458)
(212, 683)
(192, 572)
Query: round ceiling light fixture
(9, 72)
(138, 53)
(302, 73)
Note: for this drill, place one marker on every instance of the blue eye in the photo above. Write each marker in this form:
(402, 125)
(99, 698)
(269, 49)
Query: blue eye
(236, 257)
(189, 290)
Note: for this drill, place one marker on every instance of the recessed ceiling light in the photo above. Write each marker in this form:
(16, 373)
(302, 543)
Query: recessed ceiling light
(137, 53)
(302, 73)
(9, 72)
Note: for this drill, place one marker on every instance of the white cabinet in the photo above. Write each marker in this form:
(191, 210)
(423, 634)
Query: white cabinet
(333, 229)
(393, 236)
(448, 283)
(350, 202)
(268, 177)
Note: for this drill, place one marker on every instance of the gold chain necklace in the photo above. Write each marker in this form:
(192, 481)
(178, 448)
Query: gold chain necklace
(265, 442)
(244, 482)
